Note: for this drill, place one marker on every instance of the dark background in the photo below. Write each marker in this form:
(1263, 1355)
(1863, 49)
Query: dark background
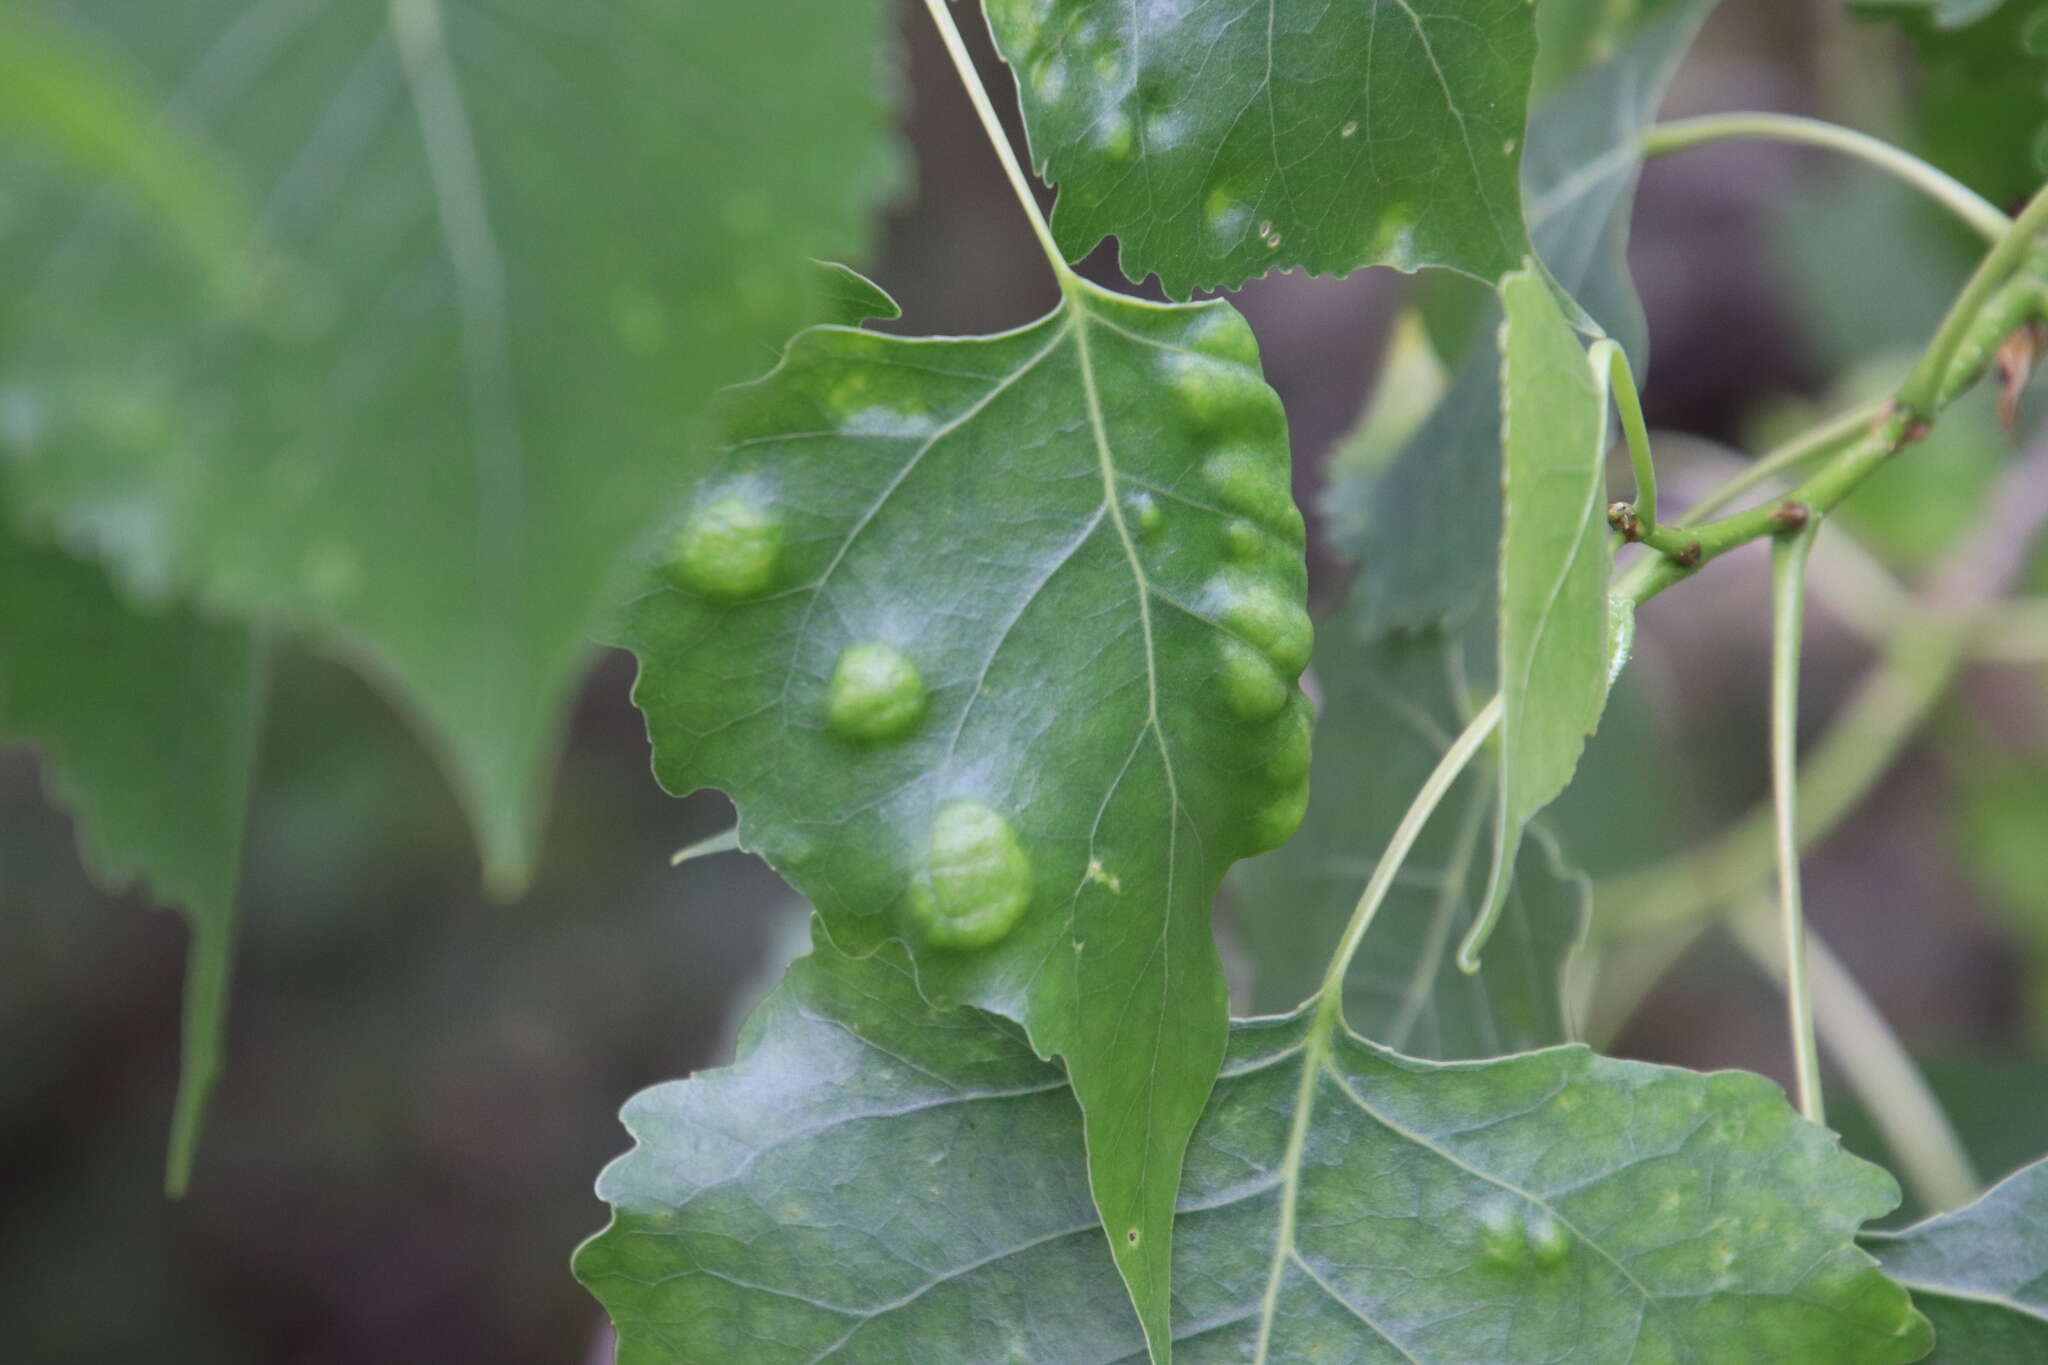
(422, 1085)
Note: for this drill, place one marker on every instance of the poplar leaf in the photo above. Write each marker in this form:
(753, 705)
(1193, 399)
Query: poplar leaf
(1980, 1273)
(147, 718)
(1221, 141)
(497, 258)
(877, 1180)
(993, 643)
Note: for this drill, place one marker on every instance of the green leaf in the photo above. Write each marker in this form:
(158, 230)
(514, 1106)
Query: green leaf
(1556, 556)
(59, 93)
(851, 298)
(1218, 142)
(1572, 35)
(1978, 110)
(1402, 700)
(878, 1180)
(148, 719)
(1980, 1273)
(1579, 180)
(993, 643)
(526, 244)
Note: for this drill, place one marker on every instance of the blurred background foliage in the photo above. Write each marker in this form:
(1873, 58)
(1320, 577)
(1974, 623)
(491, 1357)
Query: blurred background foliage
(422, 1083)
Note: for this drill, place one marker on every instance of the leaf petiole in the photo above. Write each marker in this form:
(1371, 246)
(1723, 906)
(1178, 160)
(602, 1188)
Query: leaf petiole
(1020, 184)
(1788, 599)
(1972, 208)
(1610, 361)
(1447, 771)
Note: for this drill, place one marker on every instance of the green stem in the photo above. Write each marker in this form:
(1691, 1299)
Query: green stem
(2015, 633)
(1794, 455)
(1447, 771)
(1938, 185)
(1869, 1055)
(1935, 381)
(1921, 395)
(1788, 609)
(963, 63)
(1609, 360)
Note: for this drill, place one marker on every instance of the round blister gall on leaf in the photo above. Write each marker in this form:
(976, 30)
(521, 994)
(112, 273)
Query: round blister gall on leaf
(876, 694)
(728, 549)
(1269, 619)
(976, 881)
(1252, 687)
(1275, 822)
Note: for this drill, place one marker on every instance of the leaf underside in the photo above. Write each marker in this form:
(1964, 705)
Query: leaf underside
(501, 247)
(878, 1180)
(1556, 556)
(1221, 141)
(993, 643)
(1980, 1273)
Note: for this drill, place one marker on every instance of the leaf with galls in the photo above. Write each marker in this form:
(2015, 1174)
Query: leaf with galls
(994, 644)
(1220, 141)
(875, 1181)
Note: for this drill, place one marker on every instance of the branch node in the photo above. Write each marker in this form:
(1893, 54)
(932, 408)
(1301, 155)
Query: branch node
(1790, 515)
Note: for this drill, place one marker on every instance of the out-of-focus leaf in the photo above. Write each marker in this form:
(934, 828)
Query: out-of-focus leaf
(1572, 35)
(1578, 180)
(1402, 700)
(1866, 265)
(2003, 810)
(1218, 142)
(877, 1180)
(526, 243)
(59, 93)
(1979, 108)
(1998, 1105)
(993, 643)
(148, 721)
(1556, 556)
(1980, 1273)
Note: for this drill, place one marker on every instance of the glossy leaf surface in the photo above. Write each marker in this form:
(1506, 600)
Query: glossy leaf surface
(876, 1180)
(1980, 1274)
(521, 245)
(993, 643)
(1220, 141)
(148, 721)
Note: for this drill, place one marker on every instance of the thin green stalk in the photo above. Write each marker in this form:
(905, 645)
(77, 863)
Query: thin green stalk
(1933, 383)
(1794, 455)
(1877, 1066)
(1788, 609)
(1865, 739)
(1981, 215)
(1921, 395)
(1448, 768)
(963, 64)
(1607, 356)
(1329, 997)
(2015, 633)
